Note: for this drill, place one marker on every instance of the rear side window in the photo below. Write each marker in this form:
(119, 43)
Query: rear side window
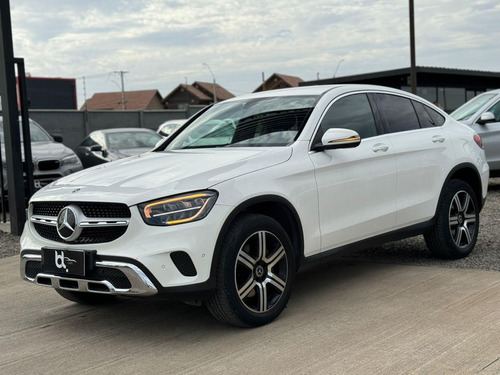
(351, 112)
(398, 113)
(423, 116)
(436, 117)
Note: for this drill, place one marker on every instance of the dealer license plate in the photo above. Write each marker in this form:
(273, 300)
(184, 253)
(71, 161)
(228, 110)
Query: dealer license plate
(65, 262)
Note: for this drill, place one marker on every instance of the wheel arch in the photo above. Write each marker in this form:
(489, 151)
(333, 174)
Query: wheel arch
(274, 206)
(467, 172)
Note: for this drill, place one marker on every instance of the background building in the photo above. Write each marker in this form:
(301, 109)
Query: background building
(448, 87)
(279, 81)
(134, 100)
(199, 93)
(51, 93)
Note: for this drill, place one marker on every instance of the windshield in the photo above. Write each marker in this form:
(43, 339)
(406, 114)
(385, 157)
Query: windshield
(465, 111)
(37, 134)
(260, 122)
(128, 140)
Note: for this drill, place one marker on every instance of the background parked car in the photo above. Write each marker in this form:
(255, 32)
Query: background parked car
(51, 159)
(170, 126)
(102, 146)
(482, 113)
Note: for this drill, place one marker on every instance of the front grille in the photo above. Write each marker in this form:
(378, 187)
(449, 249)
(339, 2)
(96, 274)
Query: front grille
(112, 223)
(88, 235)
(89, 209)
(116, 277)
(48, 165)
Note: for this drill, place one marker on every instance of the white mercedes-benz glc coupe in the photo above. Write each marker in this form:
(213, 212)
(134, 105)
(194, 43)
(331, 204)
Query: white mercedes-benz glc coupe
(253, 189)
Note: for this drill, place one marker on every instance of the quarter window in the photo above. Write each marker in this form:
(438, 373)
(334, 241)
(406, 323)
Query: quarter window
(436, 117)
(398, 113)
(423, 116)
(351, 112)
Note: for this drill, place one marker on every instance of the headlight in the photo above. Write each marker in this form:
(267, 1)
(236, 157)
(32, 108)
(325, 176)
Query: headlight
(71, 159)
(179, 209)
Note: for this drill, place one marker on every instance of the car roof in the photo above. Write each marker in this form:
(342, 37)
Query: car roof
(317, 90)
(124, 130)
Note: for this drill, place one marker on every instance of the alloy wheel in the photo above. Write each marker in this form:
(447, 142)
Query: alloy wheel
(261, 271)
(462, 219)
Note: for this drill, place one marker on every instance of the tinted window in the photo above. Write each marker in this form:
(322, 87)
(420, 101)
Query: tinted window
(423, 116)
(87, 142)
(436, 117)
(495, 109)
(398, 113)
(352, 112)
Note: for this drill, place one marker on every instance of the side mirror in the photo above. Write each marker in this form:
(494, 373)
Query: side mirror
(96, 148)
(486, 117)
(338, 138)
(57, 138)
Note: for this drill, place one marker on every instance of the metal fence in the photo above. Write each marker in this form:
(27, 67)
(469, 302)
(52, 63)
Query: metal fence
(74, 125)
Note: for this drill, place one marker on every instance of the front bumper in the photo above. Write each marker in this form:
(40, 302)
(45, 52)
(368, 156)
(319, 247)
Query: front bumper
(110, 277)
(175, 262)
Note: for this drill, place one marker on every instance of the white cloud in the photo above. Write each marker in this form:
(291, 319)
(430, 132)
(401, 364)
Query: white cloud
(162, 42)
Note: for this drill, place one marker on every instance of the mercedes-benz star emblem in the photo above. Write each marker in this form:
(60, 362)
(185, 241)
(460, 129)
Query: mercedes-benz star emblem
(67, 223)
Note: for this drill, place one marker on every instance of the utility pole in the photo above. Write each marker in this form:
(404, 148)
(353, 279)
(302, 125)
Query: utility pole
(337, 68)
(413, 68)
(121, 72)
(213, 77)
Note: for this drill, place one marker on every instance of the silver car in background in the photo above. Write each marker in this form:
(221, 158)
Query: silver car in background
(51, 159)
(482, 114)
(167, 128)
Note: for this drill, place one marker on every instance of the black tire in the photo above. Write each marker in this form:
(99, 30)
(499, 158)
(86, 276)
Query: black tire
(255, 273)
(454, 234)
(85, 298)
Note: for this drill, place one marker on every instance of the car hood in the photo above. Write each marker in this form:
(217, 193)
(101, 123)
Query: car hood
(125, 153)
(44, 151)
(159, 174)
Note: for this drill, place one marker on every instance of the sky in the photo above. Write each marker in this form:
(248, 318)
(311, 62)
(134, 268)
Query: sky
(163, 43)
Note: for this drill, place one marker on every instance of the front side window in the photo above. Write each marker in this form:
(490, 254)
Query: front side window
(398, 113)
(495, 109)
(351, 112)
(273, 121)
(128, 140)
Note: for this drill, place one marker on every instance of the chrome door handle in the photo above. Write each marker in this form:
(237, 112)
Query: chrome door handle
(438, 138)
(380, 147)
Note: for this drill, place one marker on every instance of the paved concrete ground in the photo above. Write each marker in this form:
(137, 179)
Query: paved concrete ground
(360, 318)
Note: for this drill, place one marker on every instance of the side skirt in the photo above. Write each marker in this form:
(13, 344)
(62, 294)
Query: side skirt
(339, 252)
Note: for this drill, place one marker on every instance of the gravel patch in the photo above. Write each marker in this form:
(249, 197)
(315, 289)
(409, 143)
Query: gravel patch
(486, 254)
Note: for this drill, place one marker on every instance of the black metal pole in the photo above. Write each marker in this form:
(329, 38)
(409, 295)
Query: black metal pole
(23, 101)
(11, 123)
(413, 68)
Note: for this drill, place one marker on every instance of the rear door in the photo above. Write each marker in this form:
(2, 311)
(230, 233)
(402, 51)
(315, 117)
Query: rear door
(423, 153)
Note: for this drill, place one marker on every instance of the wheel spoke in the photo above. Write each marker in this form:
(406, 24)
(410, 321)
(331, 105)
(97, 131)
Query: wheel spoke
(275, 280)
(467, 234)
(456, 201)
(262, 295)
(465, 206)
(470, 218)
(458, 236)
(453, 221)
(247, 288)
(275, 258)
(246, 260)
(262, 245)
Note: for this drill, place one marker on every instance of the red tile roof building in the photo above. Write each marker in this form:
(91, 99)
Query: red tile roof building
(134, 100)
